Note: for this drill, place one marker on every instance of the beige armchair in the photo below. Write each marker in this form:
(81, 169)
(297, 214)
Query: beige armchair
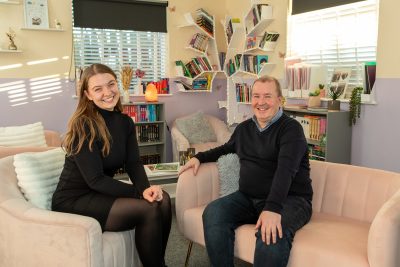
(181, 143)
(30, 236)
(355, 221)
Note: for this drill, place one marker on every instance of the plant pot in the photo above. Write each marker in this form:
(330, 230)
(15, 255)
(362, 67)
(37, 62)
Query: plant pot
(314, 101)
(333, 105)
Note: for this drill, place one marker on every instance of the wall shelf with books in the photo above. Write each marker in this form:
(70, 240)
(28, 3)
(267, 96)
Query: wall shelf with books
(198, 73)
(150, 130)
(248, 57)
(328, 133)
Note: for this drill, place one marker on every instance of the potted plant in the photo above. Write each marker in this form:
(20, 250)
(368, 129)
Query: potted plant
(314, 98)
(355, 105)
(334, 93)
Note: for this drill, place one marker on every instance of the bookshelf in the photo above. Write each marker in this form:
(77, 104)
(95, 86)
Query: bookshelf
(198, 73)
(150, 125)
(328, 133)
(250, 45)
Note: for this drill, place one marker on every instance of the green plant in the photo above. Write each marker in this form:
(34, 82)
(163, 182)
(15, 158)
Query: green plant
(355, 105)
(315, 93)
(336, 91)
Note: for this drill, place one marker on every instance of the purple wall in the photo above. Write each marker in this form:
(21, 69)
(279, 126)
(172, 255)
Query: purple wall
(375, 141)
(55, 111)
(376, 136)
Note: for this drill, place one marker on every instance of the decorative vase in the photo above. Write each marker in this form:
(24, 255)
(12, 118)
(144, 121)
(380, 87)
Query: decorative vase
(125, 97)
(139, 87)
(333, 105)
(314, 101)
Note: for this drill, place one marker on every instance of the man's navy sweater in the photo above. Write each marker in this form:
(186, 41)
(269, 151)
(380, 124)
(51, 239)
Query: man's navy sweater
(273, 163)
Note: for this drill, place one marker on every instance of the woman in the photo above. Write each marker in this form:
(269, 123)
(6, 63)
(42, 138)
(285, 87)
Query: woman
(100, 140)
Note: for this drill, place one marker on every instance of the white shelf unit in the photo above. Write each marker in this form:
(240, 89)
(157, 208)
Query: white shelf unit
(10, 51)
(211, 53)
(240, 111)
(9, 2)
(42, 29)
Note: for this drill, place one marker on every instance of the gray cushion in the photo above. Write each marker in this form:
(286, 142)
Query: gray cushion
(228, 170)
(196, 128)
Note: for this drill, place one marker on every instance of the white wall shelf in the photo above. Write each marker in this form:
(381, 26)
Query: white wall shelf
(10, 51)
(9, 2)
(42, 29)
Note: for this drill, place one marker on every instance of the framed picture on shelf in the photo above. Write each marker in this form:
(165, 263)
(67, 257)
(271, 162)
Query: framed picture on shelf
(340, 80)
(36, 14)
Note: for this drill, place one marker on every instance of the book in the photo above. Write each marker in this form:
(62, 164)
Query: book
(164, 167)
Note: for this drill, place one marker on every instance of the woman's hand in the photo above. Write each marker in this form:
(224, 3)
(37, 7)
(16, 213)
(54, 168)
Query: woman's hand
(153, 193)
(192, 163)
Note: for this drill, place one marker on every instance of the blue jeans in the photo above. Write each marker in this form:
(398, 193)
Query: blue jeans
(222, 216)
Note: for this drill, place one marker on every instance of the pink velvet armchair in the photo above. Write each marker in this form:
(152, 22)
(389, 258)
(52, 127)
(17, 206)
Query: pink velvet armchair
(355, 221)
(30, 236)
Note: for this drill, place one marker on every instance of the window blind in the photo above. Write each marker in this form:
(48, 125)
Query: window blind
(115, 48)
(301, 6)
(342, 36)
(121, 14)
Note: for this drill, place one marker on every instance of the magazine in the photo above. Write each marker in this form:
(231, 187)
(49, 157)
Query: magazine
(164, 167)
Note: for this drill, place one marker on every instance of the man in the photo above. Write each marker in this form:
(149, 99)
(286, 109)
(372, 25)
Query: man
(274, 186)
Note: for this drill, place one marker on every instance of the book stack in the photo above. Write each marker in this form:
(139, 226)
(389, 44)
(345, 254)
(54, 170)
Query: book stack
(143, 113)
(254, 64)
(199, 41)
(151, 158)
(148, 133)
(205, 21)
(231, 25)
(243, 92)
(267, 39)
(233, 64)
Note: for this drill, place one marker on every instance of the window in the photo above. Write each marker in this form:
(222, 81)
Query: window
(115, 48)
(342, 36)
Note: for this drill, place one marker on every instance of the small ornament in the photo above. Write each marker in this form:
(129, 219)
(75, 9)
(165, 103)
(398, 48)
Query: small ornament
(57, 24)
(11, 35)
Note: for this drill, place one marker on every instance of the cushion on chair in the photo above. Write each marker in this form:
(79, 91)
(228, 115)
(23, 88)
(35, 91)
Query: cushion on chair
(38, 174)
(228, 170)
(25, 135)
(196, 128)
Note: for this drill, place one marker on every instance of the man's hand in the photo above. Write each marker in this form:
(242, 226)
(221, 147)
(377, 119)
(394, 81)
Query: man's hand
(270, 223)
(192, 163)
(153, 193)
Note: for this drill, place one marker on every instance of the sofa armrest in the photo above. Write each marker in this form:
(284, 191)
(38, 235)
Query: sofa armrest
(196, 190)
(46, 238)
(179, 142)
(384, 235)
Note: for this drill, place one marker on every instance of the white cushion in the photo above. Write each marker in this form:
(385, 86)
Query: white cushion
(38, 174)
(25, 135)
(228, 170)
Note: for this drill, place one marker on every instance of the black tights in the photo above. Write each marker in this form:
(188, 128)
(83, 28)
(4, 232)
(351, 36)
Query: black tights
(152, 223)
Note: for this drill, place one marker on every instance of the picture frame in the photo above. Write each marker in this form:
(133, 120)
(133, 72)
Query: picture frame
(340, 80)
(36, 14)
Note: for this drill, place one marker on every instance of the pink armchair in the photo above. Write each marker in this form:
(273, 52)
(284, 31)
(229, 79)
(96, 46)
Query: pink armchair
(30, 236)
(355, 221)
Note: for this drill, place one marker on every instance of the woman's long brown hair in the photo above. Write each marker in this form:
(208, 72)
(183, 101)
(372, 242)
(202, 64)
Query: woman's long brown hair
(87, 116)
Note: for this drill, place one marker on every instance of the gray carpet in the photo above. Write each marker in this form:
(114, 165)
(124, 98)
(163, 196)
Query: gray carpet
(177, 249)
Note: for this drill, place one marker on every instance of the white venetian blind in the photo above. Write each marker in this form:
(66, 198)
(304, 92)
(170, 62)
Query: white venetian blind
(115, 48)
(342, 36)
